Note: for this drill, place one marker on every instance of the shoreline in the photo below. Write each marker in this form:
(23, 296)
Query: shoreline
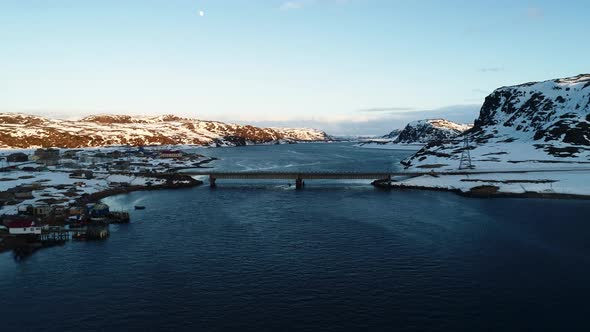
(173, 181)
(170, 184)
(196, 165)
(482, 192)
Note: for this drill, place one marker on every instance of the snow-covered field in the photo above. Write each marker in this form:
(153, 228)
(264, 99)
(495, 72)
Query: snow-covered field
(552, 182)
(49, 180)
(499, 156)
(544, 123)
(532, 126)
(108, 168)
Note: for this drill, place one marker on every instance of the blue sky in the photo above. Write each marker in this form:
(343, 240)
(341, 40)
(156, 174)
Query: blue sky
(350, 66)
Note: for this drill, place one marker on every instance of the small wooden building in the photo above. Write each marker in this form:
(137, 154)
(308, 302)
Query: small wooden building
(17, 157)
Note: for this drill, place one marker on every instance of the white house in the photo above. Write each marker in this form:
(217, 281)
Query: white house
(20, 227)
(170, 154)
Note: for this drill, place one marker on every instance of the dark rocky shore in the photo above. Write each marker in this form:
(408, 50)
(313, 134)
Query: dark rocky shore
(173, 181)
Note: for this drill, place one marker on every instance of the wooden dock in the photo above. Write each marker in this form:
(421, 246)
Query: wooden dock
(59, 234)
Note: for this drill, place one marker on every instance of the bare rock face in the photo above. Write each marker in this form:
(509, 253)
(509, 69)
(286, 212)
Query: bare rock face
(27, 131)
(550, 111)
(430, 130)
(540, 122)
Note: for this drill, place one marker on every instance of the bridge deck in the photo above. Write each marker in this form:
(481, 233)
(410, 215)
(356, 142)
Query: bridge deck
(294, 175)
(299, 177)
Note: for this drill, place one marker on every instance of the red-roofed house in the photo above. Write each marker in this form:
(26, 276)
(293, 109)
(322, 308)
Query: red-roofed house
(19, 227)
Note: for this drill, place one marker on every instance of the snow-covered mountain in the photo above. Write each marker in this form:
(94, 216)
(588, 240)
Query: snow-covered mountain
(417, 134)
(28, 131)
(539, 124)
(430, 130)
(392, 134)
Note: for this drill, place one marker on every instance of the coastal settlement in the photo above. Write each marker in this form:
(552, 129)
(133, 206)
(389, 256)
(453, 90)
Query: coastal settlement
(50, 195)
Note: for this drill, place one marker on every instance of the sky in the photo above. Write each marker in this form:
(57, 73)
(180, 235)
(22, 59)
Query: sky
(346, 66)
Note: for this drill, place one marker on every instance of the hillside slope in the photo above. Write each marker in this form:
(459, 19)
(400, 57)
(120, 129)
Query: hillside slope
(28, 131)
(539, 124)
(430, 130)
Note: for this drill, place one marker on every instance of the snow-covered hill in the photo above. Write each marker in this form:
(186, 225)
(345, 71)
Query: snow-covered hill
(540, 124)
(430, 130)
(392, 134)
(416, 134)
(28, 131)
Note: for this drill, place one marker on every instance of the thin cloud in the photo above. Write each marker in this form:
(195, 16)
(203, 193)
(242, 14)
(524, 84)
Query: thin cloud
(387, 109)
(301, 4)
(535, 13)
(294, 5)
(491, 69)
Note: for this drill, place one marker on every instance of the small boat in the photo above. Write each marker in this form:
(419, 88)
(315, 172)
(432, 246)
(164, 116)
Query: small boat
(140, 207)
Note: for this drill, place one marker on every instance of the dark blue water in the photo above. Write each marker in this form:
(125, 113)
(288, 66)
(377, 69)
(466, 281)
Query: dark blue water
(335, 256)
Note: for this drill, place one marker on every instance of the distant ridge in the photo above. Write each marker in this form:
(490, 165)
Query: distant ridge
(30, 131)
(418, 133)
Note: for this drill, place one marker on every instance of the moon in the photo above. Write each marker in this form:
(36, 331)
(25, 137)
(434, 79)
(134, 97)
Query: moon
(201, 13)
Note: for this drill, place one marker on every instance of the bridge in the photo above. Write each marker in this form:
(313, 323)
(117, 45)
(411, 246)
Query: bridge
(300, 177)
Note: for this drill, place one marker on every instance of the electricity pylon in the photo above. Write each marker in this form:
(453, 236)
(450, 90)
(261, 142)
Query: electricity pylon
(466, 155)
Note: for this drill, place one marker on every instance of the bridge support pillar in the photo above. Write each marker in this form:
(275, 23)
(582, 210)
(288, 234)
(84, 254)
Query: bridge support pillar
(212, 183)
(299, 183)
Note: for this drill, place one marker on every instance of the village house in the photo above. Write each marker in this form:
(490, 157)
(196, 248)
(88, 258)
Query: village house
(33, 185)
(42, 211)
(93, 158)
(59, 211)
(47, 157)
(32, 169)
(75, 213)
(115, 154)
(98, 210)
(71, 154)
(23, 194)
(115, 184)
(23, 227)
(6, 197)
(82, 174)
(17, 157)
(120, 165)
(171, 154)
(68, 163)
(25, 209)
